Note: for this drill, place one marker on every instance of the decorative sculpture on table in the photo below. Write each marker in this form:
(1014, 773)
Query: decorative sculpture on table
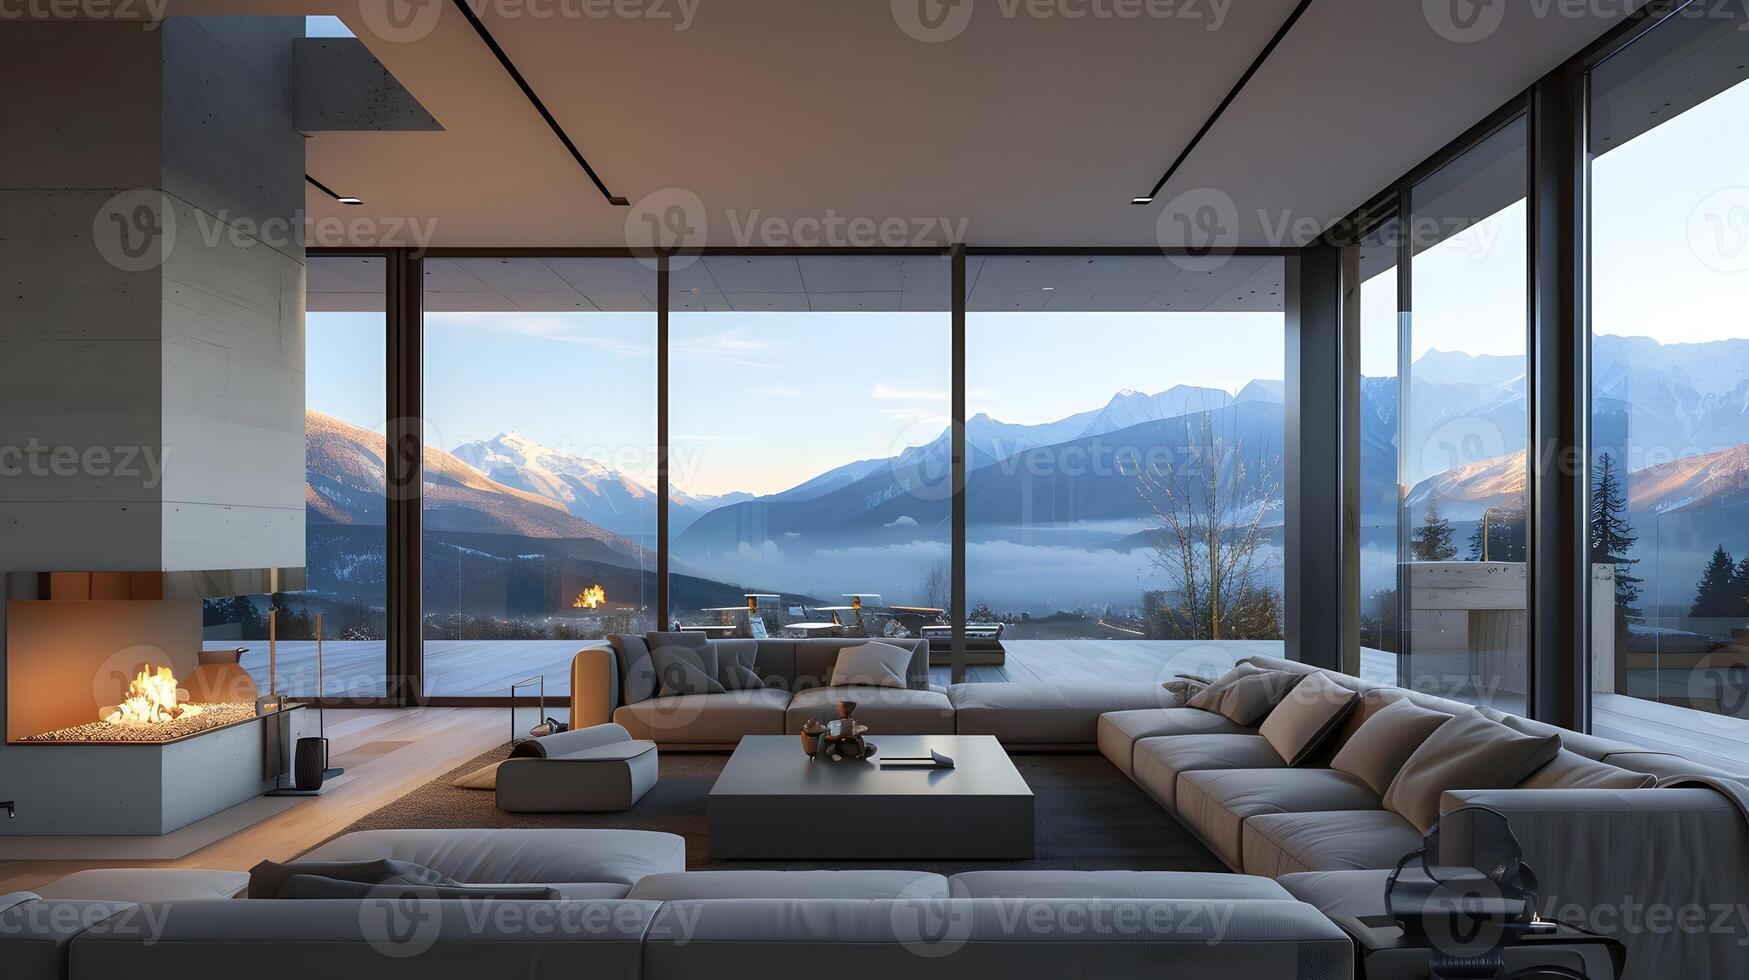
(841, 738)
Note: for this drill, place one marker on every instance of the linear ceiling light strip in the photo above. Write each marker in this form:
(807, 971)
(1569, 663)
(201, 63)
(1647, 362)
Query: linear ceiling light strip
(1262, 56)
(534, 100)
(324, 188)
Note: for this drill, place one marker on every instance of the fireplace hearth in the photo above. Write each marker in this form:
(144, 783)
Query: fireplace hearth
(205, 719)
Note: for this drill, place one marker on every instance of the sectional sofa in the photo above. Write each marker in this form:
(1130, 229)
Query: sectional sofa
(1617, 833)
(643, 918)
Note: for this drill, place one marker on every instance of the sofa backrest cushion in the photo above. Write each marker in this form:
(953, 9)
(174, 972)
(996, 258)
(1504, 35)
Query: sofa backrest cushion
(1246, 693)
(1375, 695)
(1570, 770)
(637, 673)
(683, 669)
(269, 878)
(738, 664)
(1302, 720)
(812, 660)
(1378, 749)
(1467, 752)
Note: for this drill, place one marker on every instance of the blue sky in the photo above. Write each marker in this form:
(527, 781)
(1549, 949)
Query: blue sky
(761, 401)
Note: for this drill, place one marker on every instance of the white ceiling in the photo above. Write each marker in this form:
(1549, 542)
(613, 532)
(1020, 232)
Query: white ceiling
(778, 114)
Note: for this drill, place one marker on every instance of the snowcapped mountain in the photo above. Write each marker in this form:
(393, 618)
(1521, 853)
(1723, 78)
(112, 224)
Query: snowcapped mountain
(584, 487)
(345, 476)
(1128, 408)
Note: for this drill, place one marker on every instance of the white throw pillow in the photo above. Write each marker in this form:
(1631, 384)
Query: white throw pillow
(871, 665)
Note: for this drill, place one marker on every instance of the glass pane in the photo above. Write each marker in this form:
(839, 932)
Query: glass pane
(808, 408)
(1669, 358)
(1463, 429)
(540, 416)
(344, 489)
(1381, 497)
(1124, 499)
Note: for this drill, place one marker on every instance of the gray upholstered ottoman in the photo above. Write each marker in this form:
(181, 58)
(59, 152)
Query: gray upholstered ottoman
(590, 769)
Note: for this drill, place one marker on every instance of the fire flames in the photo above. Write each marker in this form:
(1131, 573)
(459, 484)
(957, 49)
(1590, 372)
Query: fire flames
(590, 598)
(152, 699)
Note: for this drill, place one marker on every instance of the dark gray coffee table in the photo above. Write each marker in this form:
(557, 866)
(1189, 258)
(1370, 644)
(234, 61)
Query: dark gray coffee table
(771, 803)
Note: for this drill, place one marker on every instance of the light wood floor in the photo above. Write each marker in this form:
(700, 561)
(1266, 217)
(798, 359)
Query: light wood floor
(386, 753)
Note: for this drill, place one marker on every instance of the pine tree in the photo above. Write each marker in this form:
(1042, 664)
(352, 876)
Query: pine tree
(1432, 540)
(1612, 537)
(1714, 598)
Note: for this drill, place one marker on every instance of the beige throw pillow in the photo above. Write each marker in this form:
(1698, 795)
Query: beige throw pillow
(1246, 693)
(1378, 748)
(1467, 752)
(1307, 716)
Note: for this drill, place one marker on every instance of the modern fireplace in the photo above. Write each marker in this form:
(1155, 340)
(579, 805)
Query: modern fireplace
(113, 724)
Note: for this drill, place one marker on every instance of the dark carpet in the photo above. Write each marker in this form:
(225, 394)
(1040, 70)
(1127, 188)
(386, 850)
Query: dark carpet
(1086, 816)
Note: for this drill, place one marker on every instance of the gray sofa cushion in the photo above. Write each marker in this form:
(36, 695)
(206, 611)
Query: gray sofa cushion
(890, 711)
(637, 673)
(1118, 731)
(1216, 802)
(1467, 752)
(978, 937)
(790, 884)
(1246, 693)
(1301, 721)
(1385, 741)
(678, 638)
(1113, 885)
(738, 665)
(871, 664)
(706, 719)
(397, 940)
(1158, 761)
(545, 857)
(37, 934)
(684, 670)
(1570, 770)
(1275, 844)
(142, 885)
(1046, 714)
(1351, 893)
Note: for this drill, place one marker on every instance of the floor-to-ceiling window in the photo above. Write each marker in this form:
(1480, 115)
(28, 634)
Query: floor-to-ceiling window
(539, 513)
(1463, 427)
(344, 599)
(1125, 456)
(808, 402)
(1669, 386)
(1380, 493)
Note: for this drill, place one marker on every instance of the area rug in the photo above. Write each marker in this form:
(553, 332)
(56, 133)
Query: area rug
(1086, 816)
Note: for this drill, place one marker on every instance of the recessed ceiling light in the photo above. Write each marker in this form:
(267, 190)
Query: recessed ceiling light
(1141, 200)
(349, 200)
(1047, 288)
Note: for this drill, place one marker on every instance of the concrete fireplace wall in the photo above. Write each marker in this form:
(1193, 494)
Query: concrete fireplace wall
(151, 325)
